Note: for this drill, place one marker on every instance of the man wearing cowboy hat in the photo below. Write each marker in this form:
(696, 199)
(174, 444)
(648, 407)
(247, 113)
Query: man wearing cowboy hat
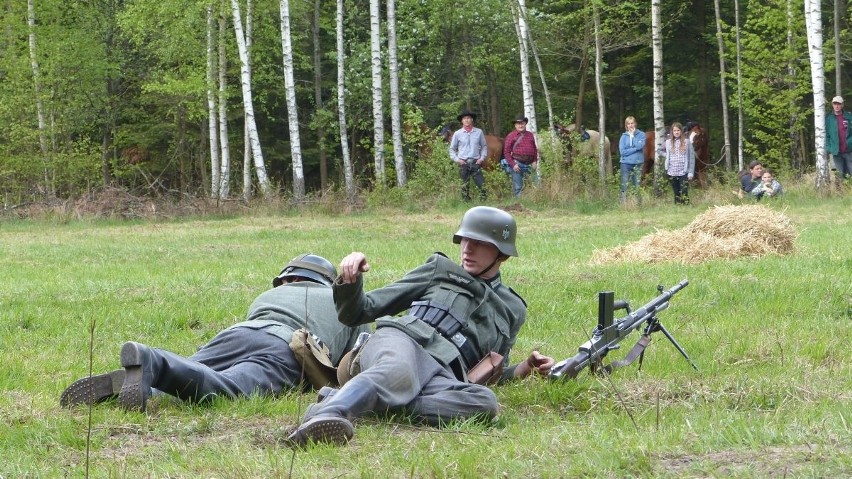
(520, 154)
(469, 150)
(838, 138)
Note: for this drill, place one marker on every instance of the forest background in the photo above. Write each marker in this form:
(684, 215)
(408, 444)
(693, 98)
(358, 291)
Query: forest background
(111, 93)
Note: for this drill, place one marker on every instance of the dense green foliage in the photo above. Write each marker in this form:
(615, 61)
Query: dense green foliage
(123, 83)
(769, 335)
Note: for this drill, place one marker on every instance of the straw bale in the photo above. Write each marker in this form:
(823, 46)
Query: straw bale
(722, 232)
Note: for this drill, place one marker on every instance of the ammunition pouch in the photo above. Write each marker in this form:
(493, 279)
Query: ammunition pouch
(448, 325)
(314, 357)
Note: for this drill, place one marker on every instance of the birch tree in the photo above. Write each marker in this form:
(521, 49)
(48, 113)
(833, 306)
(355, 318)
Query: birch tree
(292, 112)
(248, 103)
(348, 175)
(42, 129)
(376, 69)
(523, 51)
(215, 159)
(246, 135)
(659, 118)
(813, 26)
(396, 120)
(224, 144)
(603, 166)
(726, 149)
(740, 124)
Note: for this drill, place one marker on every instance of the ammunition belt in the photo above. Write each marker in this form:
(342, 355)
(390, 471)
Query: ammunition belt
(448, 325)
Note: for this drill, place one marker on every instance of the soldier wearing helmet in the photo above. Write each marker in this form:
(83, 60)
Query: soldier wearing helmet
(250, 357)
(459, 317)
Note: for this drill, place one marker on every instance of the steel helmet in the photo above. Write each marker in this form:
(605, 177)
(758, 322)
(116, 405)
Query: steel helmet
(491, 225)
(309, 266)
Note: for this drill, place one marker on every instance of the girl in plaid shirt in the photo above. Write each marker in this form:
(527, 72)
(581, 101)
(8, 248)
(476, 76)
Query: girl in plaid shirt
(680, 163)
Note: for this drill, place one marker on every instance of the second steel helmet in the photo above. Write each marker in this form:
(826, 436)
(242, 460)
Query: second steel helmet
(310, 267)
(491, 225)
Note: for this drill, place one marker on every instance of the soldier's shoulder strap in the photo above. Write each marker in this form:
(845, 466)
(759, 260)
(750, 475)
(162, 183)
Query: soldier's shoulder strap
(518, 295)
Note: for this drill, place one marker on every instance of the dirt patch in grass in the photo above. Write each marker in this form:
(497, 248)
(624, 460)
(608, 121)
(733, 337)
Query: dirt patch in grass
(777, 461)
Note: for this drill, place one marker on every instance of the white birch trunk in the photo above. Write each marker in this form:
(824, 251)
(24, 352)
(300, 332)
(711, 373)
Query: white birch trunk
(396, 120)
(523, 50)
(726, 149)
(838, 58)
(603, 165)
(248, 102)
(42, 135)
(215, 161)
(292, 112)
(348, 175)
(246, 137)
(224, 144)
(813, 25)
(376, 68)
(659, 116)
(740, 125)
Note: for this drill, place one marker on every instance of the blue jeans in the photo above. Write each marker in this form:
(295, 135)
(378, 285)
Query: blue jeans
(628, 170)
(843, 164)
(517, 176)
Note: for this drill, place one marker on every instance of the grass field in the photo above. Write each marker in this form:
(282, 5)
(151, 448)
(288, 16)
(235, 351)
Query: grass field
(772, 396)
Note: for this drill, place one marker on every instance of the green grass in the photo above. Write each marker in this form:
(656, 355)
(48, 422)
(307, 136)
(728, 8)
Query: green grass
(772, 397)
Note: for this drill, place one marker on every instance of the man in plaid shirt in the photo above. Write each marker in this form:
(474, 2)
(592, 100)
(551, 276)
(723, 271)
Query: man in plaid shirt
(520, 154)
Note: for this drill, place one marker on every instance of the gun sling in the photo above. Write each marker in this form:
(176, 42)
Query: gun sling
(448, 325)
(634, 353)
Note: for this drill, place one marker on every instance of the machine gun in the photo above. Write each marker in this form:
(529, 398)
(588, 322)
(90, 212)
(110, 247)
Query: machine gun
(610, 332)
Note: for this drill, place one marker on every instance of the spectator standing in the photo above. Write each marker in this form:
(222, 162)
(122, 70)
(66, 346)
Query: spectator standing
(469, 150)
(838, 138)
(520, 154)
(680, 163)
(631, 148)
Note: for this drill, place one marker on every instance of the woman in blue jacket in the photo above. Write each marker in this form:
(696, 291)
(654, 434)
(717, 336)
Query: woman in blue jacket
(631, 147)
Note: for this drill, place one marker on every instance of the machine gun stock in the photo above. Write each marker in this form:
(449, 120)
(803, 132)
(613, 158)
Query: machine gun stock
(609, 333)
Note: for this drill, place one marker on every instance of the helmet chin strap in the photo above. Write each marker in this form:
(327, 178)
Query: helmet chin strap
(496, 259)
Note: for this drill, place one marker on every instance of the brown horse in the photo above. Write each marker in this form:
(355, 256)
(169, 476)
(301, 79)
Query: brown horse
(700, 143)
(494, 144)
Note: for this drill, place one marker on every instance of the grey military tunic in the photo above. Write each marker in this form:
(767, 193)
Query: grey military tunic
(254, 357)
(408, 364)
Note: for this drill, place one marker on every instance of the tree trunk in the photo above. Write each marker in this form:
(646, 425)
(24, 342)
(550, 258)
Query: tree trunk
(544, 88)
(519, 16)
(838, 59)
(224, 143)
(396, 120)
(246, 137)
(248, 102)
(378, 117)
(740, 125)
(318, 102)
(581, 87)
(813, 25)
(215, 161)
(603, 165)
(726, 149)
(292, 111)
(42, 135)
(348, 174)
(659, 116)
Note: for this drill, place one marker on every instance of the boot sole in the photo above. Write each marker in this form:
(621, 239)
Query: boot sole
(326, 430)
(131, 397)
(93, 389)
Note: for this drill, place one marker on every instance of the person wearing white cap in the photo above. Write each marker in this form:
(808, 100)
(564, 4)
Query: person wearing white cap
(838, 138)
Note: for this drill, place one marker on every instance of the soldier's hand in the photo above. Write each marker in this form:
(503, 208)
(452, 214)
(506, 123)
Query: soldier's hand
(535, 362)
(352, 266)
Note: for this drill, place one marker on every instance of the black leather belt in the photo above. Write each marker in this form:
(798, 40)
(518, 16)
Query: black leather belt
(448, 325)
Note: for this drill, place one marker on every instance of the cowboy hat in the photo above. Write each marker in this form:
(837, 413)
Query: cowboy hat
(466, 113)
